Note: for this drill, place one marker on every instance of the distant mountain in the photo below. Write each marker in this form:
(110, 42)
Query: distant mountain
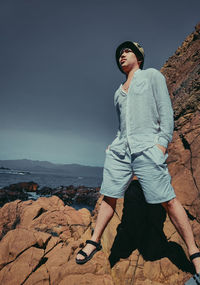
(46, 166)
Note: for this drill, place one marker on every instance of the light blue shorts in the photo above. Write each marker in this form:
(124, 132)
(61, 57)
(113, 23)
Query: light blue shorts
(150, 168)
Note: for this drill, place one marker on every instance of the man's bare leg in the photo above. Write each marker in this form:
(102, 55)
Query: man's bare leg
(180, 220)
(105, 214)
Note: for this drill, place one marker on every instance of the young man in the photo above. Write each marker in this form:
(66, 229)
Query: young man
(145, 128)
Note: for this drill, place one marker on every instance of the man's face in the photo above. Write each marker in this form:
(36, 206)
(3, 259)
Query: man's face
(127, 59)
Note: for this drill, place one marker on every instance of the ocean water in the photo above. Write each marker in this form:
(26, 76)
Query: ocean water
(52, 180)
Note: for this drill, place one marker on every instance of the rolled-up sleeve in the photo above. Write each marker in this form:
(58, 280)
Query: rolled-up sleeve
(164, 107)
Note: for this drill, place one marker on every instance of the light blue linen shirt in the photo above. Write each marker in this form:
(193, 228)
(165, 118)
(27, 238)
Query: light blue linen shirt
(145, 113)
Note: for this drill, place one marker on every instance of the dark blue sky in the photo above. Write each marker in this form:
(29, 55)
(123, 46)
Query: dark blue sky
(58, 73)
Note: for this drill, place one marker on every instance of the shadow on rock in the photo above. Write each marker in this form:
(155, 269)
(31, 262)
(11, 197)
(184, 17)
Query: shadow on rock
(142, 228)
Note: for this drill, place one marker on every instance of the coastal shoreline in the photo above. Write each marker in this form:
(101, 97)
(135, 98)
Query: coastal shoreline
(75, 196)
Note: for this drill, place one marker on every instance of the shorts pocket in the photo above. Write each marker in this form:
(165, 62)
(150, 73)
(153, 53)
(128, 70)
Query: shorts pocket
(156, 155)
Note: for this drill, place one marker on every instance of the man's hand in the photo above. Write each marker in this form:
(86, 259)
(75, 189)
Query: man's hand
(162, 148)
(108, 147)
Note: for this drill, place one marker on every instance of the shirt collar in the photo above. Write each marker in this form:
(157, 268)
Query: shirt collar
(134, 76)
(137, 71)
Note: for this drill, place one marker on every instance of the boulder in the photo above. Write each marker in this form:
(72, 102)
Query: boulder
(23, 186)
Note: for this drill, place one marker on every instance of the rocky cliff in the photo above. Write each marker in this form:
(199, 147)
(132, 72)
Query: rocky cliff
(40, 239)
(182, 72)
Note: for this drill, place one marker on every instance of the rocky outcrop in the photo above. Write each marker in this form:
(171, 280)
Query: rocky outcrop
(23, 186)
(73, 195)
(39, 241)
(70, 195)
(17, 191)
(182, 72)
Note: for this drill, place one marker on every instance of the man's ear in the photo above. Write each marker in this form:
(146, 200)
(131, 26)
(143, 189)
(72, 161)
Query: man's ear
(139, 62)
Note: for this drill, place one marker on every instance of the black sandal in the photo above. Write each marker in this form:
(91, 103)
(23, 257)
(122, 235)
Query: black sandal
(194, 255)
(195, 279)
(88, 257)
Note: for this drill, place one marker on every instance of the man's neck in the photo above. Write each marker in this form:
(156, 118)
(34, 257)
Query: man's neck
(130, 75)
